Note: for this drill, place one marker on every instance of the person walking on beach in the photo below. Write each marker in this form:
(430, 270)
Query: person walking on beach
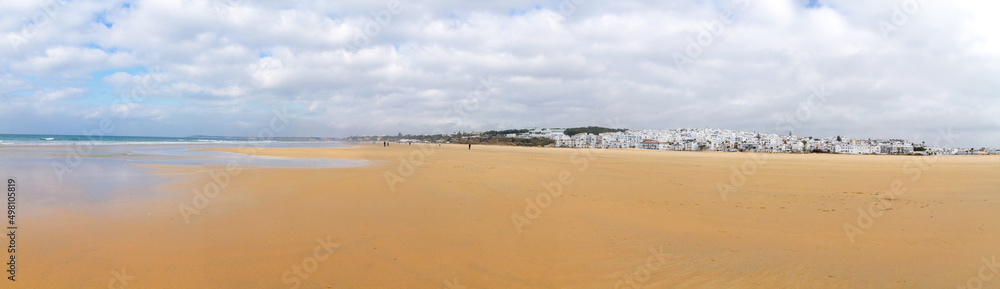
(470, 146)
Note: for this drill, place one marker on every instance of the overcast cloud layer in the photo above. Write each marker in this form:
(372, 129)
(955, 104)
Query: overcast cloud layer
(899, 69)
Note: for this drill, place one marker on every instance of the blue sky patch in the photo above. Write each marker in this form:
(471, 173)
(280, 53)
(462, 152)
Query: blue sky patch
(101, 18)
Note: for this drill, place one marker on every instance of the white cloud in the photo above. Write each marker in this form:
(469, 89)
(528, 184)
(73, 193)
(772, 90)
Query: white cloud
(231, 62)
(71, 62)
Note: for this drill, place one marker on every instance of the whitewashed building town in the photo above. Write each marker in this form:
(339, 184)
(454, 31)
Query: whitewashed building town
(708, 139)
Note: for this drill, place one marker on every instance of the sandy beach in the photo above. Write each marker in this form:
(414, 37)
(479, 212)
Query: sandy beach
(424, 216)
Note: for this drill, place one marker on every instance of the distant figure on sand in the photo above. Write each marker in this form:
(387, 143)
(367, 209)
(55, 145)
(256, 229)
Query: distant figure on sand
(470, 146)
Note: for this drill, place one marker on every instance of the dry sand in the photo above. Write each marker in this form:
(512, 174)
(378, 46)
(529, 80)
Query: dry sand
(448, 224)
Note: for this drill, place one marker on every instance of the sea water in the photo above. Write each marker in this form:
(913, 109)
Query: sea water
(71, 169)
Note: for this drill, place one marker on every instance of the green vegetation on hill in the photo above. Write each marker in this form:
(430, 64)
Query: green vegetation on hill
(505, 132)
(528, 142)
(591, 130)
(491, 138)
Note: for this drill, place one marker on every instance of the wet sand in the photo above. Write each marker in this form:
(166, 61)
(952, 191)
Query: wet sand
(424, 216)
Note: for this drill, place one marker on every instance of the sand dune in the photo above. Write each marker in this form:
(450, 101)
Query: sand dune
(424, 216)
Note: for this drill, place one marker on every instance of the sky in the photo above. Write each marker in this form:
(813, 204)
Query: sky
(912, 69)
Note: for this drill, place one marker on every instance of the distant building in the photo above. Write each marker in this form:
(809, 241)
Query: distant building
(857, 149)
(730, 140)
